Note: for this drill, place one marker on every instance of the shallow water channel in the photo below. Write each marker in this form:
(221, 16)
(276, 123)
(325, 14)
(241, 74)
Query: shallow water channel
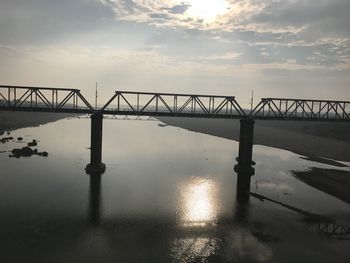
(168, 195)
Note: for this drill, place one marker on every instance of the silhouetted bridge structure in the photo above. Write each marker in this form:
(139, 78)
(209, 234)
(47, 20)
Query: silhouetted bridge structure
(42, 99)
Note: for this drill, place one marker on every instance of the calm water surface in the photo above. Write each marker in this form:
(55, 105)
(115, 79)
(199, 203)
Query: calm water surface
(168, 195)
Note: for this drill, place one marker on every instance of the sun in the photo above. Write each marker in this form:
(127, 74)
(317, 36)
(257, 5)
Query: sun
(207, 10)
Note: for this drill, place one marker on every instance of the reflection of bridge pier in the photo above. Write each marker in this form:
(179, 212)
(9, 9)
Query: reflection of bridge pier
(95, 199)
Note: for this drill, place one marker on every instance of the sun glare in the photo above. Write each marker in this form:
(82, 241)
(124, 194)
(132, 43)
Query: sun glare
(198, 202)
(208, 10)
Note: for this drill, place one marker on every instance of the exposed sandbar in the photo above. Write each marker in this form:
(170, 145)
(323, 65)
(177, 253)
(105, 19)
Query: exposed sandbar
(327, 140)
(330, 181)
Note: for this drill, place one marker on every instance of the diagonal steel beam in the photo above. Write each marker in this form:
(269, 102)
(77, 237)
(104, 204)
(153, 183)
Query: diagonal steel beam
(258, 108)
(148, 103)
(109, 101)
(221, 105)
(165, 104)
(84, 101)
(127, 102)
(184, 105)
(201, 105)
(43, 98)
(65, 100)
(344, 111)
(5, 99)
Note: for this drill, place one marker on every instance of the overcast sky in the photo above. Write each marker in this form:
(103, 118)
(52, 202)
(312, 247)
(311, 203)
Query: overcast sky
(278, 48)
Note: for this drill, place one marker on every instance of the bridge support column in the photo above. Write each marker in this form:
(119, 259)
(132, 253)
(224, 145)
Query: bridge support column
(244, 167)
(96, 165)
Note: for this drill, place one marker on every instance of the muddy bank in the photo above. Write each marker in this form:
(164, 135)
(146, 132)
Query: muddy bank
(328, 140)
(330, 181)
(14, 120)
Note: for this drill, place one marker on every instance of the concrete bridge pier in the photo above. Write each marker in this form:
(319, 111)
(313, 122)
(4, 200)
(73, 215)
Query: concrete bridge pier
(244, 167)
(96, 166)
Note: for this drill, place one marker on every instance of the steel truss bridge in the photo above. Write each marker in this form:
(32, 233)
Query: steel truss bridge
(42, 99)
(20, 98)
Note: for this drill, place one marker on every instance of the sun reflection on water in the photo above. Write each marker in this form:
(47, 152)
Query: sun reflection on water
(198, 202)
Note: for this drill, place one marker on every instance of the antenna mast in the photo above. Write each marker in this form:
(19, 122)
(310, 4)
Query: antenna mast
(96, 96)
(252, 101)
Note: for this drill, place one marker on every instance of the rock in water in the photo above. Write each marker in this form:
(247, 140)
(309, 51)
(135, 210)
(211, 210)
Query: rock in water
(33, 143)
(6, 139)
(25, 151)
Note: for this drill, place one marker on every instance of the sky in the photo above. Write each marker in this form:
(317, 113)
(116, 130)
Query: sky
(277, 48)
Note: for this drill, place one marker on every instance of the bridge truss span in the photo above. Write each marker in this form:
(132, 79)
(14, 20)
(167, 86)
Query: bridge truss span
(44, 99)
(174, 105)
(128, 103)
(301, 109)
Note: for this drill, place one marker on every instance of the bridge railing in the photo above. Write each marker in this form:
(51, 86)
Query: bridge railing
(294, 109)
(42, 99)
(165, 104)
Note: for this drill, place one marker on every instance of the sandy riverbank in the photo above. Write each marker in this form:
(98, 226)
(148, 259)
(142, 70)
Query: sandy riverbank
(330, 181)
(318, 139)
(15, 120)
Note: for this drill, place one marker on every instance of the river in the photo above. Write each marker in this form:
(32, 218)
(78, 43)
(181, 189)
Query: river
(168, 195)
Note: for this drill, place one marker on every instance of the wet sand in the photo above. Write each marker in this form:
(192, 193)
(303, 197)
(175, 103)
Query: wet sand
(330, 181)
(15, 120)
(319, 139)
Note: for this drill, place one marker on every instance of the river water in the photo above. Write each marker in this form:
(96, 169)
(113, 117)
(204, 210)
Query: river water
(168, 195)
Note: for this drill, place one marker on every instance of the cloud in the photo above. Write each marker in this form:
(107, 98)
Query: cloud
(181, 13)
(148, 70)
(271, 30)
(178, 9)
(265, 32)
(323, 16)
(294, 16)
(43, 21)
(155, 44)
